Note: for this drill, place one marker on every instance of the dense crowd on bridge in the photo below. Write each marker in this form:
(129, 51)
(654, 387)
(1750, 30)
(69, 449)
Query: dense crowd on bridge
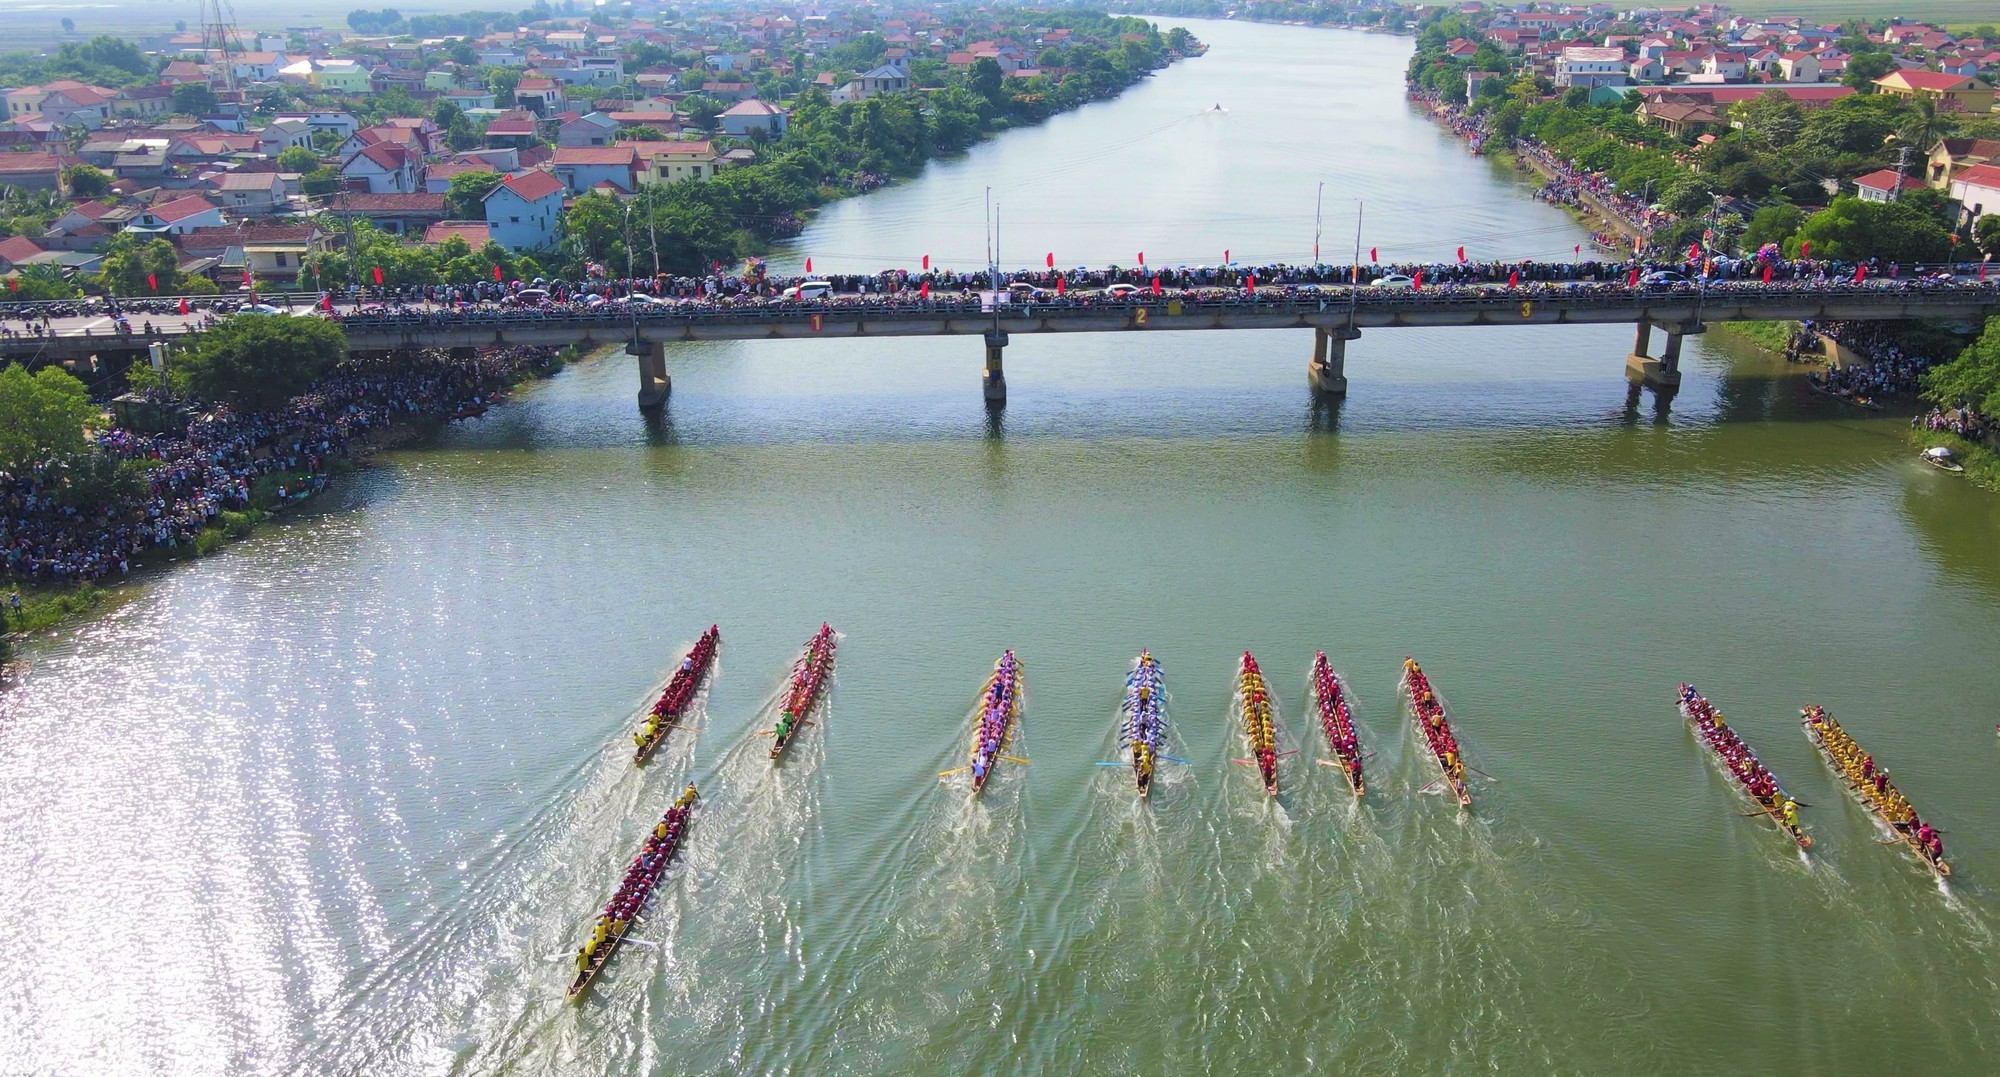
(214, 465)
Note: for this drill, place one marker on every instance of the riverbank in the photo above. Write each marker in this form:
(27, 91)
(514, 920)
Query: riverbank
(273, 493)
(1981, 463)
(1770, 336)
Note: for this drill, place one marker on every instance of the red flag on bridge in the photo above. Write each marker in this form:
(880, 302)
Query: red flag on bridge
(1514, 278)
(496, 272)
(326, 302)
(1860, 274)
(153, 282)
(1060, 289)
(1156, 285)
(1805, 249)
(1633, 280)
(927, 263)
(1250, 283)
(1767, 272)
(1372, 256)
(1982, 268)
(1419, 282)
(924, 290)
(1577, 250)
(184, 308)
(378, 275)
(14, 283)
(809, 265)
(1225, 256)
(1461, 254)
(1050, 260)
(1694, 252)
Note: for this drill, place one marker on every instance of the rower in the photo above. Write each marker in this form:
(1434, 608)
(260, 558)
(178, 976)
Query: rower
(1791, 813)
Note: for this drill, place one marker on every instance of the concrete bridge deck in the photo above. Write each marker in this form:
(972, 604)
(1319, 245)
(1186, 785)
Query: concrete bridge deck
(1336, 314)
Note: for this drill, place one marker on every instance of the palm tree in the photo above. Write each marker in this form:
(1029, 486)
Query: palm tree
(1922, 127)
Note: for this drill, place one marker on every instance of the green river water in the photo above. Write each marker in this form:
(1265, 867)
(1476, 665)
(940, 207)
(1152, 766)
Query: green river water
(342, 799)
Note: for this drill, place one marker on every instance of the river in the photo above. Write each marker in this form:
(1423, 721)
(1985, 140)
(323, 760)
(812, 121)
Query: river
(341, 799)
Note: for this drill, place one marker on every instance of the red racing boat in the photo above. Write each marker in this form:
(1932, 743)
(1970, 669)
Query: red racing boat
(1435, 727)
(1330, 699)
(680, 691)
(809, 676)
(642, 877)
(1741, 764)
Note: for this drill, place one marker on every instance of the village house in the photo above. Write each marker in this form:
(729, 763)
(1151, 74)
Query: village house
(581, 168)
(177, 217)
(1953, 93)
(250, 194)
(1978, 190)
(880, 80)
(1590, 67)
(1882, 185)
(398, 213)
(594, 129)
(744, 117)
(383, 168)
(676, 161)
(523, 212)
(1951, 155)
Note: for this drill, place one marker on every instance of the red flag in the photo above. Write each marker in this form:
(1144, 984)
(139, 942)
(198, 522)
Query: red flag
(1514, 279)
(14, 283)
(1142, 257)
(1372, 256)
(924, 290)
(809, 265)
(184, 308)
(1633, 281)
(1860, 274)
(1060, 289)
(246, 276)
(496, 272)
(378, 274)
(1250, 284)
(326, 302)
(1805, 249)
(1767, 272)
(927, 262)
(153, 282)
(1050, 261)
(1156, 286)
(1982, 269)
(1694, 252)
(1461, 254)
(1419, 282)
(1225, 256)
(1578, 249)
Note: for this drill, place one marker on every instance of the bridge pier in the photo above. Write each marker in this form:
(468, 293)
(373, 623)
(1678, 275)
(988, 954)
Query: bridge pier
(654, 384)
(1663, 373)
(1328, 370)
(994, 381)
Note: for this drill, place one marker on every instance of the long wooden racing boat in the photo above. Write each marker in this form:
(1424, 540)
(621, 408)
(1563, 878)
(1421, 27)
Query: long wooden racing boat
(1337, 720)
(1434, 726)
(642, 877)
(999, 707)
(809, 676)
(680, 691)
(1741, 764)
(1871, 786)
(1260, 730)
(1143, 719)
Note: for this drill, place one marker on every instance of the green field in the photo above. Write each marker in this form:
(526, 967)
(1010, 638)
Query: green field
(1957, 13)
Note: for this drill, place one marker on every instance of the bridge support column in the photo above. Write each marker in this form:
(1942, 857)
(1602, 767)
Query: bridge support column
(654, 384)
(994, 381)
(1663, 373)
(1328, 370)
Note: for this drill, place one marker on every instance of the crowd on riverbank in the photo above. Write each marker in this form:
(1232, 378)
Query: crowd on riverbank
(214, 466)
(1892, 369)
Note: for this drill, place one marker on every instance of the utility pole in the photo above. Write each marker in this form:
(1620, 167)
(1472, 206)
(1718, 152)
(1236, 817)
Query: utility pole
(1902, 167)
(1354, 279)
(1318, 201)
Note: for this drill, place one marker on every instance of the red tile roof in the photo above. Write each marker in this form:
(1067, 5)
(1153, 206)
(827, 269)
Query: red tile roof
(391, 202)
(16, 248)
(595, 155)
(181, 209)
(1979, 176)
(475, 233)
(1884, 179)
(532, 186)
(1936, 81)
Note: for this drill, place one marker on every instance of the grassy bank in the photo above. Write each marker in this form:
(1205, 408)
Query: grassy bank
(1771, 336)
(45, 608)
(1982, 465)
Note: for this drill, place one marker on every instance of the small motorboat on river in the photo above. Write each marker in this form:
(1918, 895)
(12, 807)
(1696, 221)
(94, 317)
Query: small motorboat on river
(1940, 457)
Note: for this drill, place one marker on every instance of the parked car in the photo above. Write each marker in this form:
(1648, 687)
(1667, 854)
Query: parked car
(1664, 278)
(1393, 280)
(812, 289)
(1121, 289)
(259, 308)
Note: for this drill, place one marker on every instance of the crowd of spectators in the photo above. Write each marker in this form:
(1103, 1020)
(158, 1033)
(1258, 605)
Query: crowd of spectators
(1892, 367)
(214, 466)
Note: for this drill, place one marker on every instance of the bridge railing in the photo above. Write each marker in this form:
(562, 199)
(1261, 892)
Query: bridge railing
(1299, 302)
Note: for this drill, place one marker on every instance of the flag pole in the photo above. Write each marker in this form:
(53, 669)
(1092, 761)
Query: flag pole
(1318, 201)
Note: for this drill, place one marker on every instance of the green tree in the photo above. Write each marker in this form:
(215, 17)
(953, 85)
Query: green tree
(37, 282)
(259, 361)
(1906, 231)
(989, 82)
(193, 99)
(297, 159)
(68, 25)
(320, 182)
(467, 195)
(643, 133)
(83, 181)
(140, 267)
(1863, 68)
(1775, 223)
(502, 80)
(702, 111)
(42, 416)
(1986, 233)
(1772, 118)
(1972, 378)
